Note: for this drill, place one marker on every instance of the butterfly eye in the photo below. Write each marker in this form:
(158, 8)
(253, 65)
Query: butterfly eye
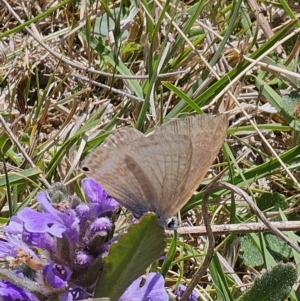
(85, 168)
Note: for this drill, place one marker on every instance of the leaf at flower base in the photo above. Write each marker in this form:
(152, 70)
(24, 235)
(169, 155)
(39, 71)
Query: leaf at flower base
(129, 258)
(274, 285)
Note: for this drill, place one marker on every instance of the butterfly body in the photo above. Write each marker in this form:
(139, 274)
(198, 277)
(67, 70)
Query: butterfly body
(158, 172)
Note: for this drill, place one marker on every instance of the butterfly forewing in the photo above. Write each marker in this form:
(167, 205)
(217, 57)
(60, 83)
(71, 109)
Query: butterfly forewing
(206, 144)
(207, 133)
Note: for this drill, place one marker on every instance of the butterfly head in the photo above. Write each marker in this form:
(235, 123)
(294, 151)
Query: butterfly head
(169, 224)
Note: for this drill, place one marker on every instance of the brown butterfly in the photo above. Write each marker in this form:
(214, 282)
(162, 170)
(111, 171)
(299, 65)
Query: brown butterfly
(158, 172)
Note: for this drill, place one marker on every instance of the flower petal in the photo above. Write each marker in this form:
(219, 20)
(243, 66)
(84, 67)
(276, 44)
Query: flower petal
(153, 289)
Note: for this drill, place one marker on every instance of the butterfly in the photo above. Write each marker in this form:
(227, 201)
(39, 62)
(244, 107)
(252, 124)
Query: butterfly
(158, 172)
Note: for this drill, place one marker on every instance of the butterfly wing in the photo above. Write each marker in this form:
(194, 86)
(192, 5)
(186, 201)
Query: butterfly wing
(207, 133)
(165, 159)
(107, 165)
(122, 137)
(144, 173)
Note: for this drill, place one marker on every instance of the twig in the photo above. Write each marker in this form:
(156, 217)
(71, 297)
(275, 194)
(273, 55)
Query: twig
(238, 228)
(257, 211)
(210, 250)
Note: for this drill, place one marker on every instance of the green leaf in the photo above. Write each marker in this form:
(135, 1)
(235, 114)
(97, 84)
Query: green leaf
(291, 104)
(105, 23)
(170, 256)
(5, 142)
(130, 256)
(20, 177)
(277, 247)
(183, 96)
(251, 255)
(276, 101)
(219, 280)
(272, 201)
(274, 285)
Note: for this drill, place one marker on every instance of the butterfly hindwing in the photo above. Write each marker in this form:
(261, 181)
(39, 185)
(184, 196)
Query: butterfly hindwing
(107, 165)
(122, 137)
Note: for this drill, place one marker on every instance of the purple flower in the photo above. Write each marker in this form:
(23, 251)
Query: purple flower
(83, 258)
(98, 197)
(58, 248)
(39, 240)
(101, 225)
(75, 293)
(41, 222)
(32, 221)
(51, 221)
(66, 218)
(82, 212)
(11, 292)
(14, 247)
(7, 249)
(56, 275)
(152, 289)
(181, 289)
